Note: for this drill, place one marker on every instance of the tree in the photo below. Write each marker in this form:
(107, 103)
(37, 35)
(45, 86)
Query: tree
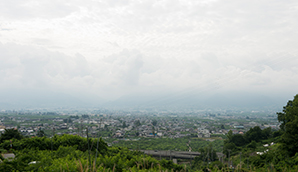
(238, 140)
(85, 116)
(267, 133)
(124, 124)
(153, 131)
(40, 133)
(254, 134)
(76, 117)
(289, 126)
(230, 134)
(207, 154)
(137, 123)
(10, 134)
(252, 145)
(67, 120)
(154, 122)
(229, 147)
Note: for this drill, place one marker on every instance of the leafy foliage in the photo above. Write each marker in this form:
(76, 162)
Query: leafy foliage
(44, 143)
(168, 144)
(70, 153)
(281, 156)
(40, 133)
(10, 134)
(237, 142)
(289, 126)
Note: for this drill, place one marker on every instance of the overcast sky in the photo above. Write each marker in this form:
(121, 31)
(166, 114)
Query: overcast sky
(114, 48)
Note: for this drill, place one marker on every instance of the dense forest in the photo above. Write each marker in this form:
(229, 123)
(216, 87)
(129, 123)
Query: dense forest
(255, 150)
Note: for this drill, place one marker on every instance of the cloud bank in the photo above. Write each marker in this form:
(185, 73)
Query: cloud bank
(103, 50)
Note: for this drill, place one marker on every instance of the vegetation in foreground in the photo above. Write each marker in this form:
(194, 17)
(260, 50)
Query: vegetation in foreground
(260, 150)
(71, 153)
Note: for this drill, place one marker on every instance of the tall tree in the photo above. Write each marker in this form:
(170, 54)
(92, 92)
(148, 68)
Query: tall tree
(124, 124)
(40, 133)
(254, 134)
(9, 134)
(289, 126)
(154, 122)
(137, 123)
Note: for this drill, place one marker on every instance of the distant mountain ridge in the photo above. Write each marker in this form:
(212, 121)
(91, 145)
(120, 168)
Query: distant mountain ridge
(218, 100)
(224, 100)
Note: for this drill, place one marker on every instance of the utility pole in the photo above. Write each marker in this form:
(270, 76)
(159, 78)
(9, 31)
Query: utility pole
(240, 159)
(204, 157)
(88, 147)
(81, 127)
(222, 156)
(166, 154)
(159, 155)
(52, 139)
(229, 156)
(208, 157)
(211, 154)
(96, 151)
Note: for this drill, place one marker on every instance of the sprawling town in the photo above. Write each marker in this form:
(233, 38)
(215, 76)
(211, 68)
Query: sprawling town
(126, 125)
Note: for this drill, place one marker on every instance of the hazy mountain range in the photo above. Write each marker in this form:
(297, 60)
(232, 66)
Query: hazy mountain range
(226, 100)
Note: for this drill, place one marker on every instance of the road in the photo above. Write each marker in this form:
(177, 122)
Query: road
(175, 154)
(172, 154)
(8, 156)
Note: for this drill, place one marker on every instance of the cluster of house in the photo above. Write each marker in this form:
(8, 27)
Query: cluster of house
(126, 126)
(203, 133)
(265, 146)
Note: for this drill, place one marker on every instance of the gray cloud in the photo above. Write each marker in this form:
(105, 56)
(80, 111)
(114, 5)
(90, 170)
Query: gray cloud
(19, 9)
(126, 66)
(114, 48)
